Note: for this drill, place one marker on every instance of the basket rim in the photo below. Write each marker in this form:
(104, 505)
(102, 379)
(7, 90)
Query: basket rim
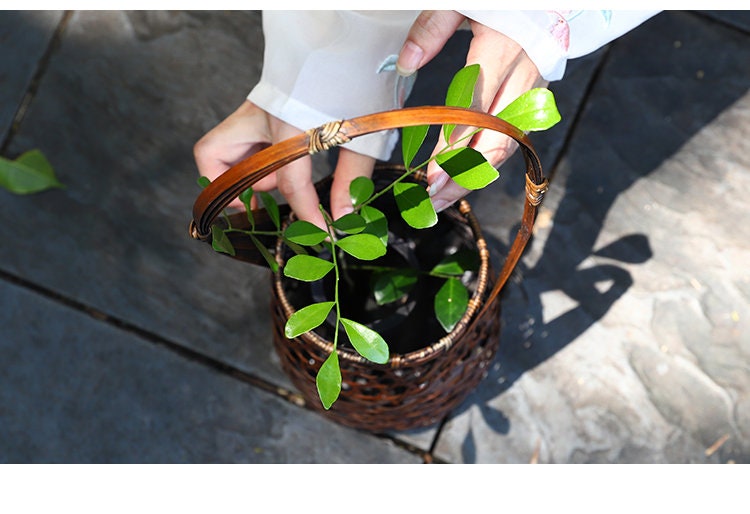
(396, 360)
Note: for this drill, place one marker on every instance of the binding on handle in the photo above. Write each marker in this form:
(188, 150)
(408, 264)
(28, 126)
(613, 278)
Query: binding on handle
(217, 195)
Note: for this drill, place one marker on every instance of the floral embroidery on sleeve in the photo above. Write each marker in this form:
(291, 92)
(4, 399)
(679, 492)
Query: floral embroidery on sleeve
(559, 26)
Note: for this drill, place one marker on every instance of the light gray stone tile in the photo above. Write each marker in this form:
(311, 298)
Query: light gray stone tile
(624, 332)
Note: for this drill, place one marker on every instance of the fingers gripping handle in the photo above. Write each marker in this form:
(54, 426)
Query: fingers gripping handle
(217, 195)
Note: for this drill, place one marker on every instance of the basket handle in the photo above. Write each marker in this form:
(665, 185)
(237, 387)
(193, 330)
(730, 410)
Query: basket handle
(219, 193)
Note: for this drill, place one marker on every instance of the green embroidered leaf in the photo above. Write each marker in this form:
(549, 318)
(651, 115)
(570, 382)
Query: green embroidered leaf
(366, 247)
(415, 206)
(450, 303)
(468, 168)
(30, 173)
(307, 268)
(351, 223)
(534, 110)
(360, 190)
(265, 253)
(307, 318)
(411, 141)
(328, 380)
(377, 223)
(461, 92)
(220, 242)
(269, 202)
(203, 181)
(457, 263)
(391, 285)
(368, 343)
(304, 233)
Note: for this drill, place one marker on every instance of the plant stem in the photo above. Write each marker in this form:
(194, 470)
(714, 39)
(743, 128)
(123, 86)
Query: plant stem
(276, 233)
(337, 277)
(409, 171)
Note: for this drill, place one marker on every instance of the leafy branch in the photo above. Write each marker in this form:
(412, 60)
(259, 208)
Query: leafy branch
(363, 234)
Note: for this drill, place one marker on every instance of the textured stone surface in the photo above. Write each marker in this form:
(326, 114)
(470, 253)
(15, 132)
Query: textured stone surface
(24, 38)
(74, 389)
(626, 340)
(624, 327)
(124, 98)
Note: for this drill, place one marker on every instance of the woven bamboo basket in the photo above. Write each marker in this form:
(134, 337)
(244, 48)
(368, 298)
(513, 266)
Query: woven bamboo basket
(419, 386)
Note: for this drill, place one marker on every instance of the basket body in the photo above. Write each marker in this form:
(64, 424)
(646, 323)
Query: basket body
(429, 372)
(384, 397)
(417, 387)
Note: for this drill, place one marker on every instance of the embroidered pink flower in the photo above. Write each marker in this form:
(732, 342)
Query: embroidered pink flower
(559, 28)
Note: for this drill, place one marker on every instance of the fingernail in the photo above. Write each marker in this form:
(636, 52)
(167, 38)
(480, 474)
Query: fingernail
(409, 59)
(343, 211)
(438, 184)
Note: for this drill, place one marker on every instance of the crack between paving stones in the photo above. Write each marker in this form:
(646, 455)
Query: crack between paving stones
(189, 354)
(154, 338)
(36, 79)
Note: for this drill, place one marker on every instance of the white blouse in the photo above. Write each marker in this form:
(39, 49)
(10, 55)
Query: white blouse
(320, 66)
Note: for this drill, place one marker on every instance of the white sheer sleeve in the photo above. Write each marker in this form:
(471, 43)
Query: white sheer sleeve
(550, 38)
(321, 66)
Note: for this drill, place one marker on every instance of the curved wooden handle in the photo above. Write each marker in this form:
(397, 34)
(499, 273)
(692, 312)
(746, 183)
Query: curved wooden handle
(217, 195)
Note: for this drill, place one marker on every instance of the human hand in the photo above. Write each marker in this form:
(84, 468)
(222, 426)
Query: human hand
(506, 73)
(250, 129)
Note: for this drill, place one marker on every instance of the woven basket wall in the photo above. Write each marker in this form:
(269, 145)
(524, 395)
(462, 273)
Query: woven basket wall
(413, 390)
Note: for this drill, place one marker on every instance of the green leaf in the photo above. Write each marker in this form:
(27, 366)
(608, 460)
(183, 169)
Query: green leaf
(269, 202)
(450, 303)
(351, 223)
(265, 253)
(220, 242)
(457, 263)
(533, 110)
(411, 141)
(29, 173)
(307, 268)
(366, 247)
(203, 181)
(391, 285)
(377, 223)
(328, 380)
(246, 197)
(461, 89)
(414, 203)
(305, 233)
(299, 250)
(468, 168)
(360, 190)
(368, 343)
(461, 92)
(307, 318)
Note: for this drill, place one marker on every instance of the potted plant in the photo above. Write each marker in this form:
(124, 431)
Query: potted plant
(387, 317)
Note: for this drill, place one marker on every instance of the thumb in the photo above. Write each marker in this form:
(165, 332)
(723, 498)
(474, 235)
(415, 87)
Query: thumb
(427, 36)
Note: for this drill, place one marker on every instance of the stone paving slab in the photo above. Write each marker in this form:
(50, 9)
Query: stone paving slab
(626, 339)
(24, 40)
(74, 389)
(122, 102)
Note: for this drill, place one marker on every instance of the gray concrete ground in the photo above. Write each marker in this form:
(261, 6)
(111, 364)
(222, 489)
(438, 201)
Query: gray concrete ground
(625, 328)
